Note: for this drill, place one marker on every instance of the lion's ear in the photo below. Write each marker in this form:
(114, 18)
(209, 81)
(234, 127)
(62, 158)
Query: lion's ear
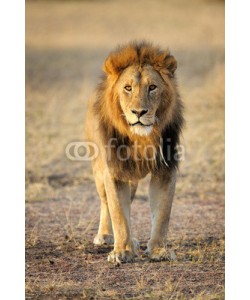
(166, 63)
(171, 64)
(111, 66)
(108, 66)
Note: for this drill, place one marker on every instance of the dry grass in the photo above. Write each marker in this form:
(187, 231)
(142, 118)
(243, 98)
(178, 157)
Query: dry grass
(66, 43)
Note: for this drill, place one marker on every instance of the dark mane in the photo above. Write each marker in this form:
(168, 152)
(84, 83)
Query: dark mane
(108, 111)
(171, 140)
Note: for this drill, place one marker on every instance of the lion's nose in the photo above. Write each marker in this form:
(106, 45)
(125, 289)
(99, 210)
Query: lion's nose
(139, 112)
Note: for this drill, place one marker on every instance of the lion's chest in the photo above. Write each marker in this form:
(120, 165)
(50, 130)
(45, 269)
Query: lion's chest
(130, 165)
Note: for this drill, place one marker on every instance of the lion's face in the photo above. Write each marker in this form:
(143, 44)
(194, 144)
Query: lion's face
(139, 92)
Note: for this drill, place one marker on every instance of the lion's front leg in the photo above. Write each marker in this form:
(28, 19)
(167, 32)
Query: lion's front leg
(161, 193)
(118, 195)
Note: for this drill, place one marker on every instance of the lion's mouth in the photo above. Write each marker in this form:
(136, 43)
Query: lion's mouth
(140, 124)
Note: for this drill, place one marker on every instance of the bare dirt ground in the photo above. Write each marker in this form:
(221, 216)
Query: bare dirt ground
(66, 43)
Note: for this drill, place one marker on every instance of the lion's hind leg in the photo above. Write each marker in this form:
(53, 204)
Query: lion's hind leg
(133, 187)
(105, 232)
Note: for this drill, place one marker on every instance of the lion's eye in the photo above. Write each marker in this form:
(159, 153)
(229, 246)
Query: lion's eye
(152, 87)
(128, 88)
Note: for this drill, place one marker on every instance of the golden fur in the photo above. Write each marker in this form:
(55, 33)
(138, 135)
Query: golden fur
(137, 110)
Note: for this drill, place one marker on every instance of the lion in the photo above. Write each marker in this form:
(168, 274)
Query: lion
(135, 118)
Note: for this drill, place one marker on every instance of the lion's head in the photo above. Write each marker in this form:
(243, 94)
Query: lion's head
(141, 88)
(138, 103)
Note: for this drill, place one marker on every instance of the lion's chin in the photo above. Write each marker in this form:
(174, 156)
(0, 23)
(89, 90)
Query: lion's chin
(141, 130)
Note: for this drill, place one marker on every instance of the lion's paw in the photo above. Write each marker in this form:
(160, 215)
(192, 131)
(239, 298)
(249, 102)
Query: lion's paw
(158, 254)
(118, 257)
(103, 239)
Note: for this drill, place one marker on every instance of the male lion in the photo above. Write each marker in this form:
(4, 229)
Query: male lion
(135, 119)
